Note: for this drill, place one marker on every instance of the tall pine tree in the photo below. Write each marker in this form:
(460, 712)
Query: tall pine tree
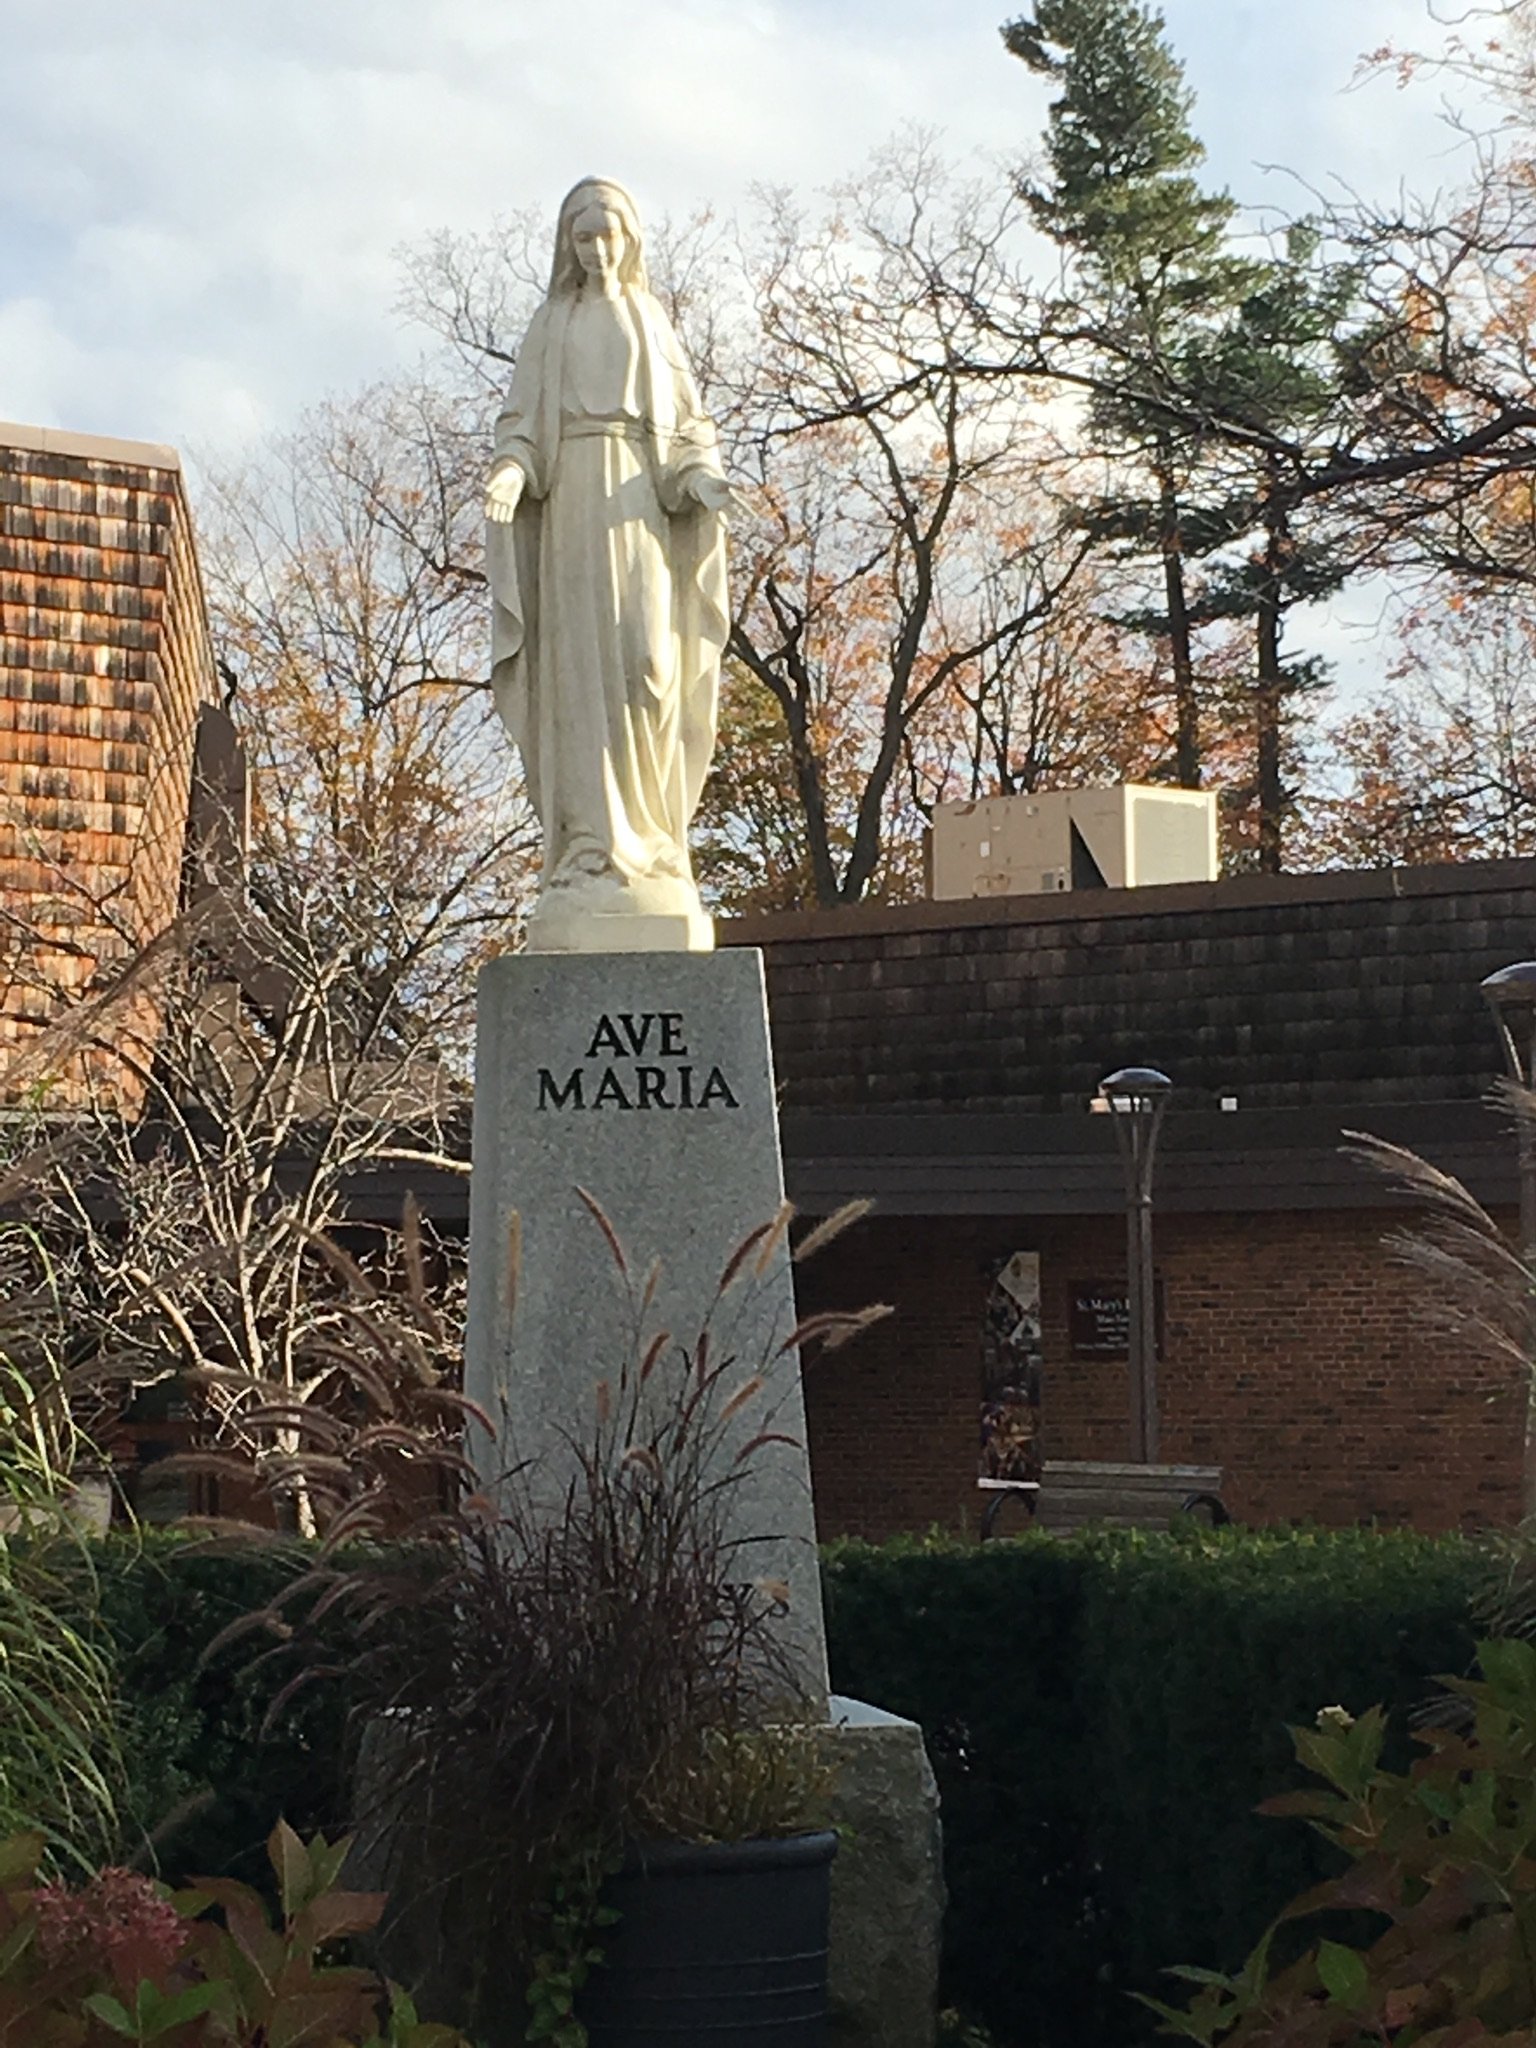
(1207, 367)
(1151, 270)
(1273, 375)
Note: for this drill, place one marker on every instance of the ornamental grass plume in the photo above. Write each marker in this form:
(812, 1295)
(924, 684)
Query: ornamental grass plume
(1481, 1287)
(1481, 1297)
(543, 1682)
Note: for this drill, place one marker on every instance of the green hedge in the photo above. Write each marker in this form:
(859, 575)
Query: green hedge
(1103, 1716)
(207, 1779)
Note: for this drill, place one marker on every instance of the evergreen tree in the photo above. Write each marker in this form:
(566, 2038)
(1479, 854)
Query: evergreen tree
(1273, 375)
(1208, 367)
(1152, 269)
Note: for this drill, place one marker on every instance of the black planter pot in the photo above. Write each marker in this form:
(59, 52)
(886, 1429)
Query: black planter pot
(723, 1945)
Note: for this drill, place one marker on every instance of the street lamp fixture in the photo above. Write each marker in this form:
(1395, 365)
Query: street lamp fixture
(1137, 1098)
(1511, 995)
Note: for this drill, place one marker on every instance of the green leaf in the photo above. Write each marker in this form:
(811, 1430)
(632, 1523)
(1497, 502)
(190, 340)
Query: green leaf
(1199, 2025)
(1343, 1975)
(112, 2013)
(326, 1860)
(19, 1857)
(16, 1944)
(163, 2013)
(1509, 1665)
(1435, 1800)
(291, 1866)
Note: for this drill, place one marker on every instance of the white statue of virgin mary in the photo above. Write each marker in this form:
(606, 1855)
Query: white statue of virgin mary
(606, 555)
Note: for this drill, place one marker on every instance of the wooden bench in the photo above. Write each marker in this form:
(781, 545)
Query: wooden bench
(1073, 1494)
(1010, 1501)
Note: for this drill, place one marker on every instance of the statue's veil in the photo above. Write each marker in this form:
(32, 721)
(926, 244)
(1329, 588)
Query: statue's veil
(567, 274)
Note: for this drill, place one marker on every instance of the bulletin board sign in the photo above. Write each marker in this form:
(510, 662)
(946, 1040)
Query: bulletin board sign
(1099, 1318)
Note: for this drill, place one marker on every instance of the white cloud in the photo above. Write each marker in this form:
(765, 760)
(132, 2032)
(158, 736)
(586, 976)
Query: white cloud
(37, 360)
(200, 204)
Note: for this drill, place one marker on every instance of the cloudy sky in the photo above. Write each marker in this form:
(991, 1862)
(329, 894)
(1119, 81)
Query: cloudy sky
(201, 200)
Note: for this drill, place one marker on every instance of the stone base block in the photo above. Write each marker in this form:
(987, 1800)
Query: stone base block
(887, 1882)
(604, 914)
(574, 930)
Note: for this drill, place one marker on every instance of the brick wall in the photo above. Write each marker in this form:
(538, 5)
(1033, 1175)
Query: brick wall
(104, 659)
(1297, 1356)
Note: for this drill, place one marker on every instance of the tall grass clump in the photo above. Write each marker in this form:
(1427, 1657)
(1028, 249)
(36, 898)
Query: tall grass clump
(60, 1759)
(561, 1668)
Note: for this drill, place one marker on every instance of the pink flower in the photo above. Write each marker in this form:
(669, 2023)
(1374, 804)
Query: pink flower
(119, 1923)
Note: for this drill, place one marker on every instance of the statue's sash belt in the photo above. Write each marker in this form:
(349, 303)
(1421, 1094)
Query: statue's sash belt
(618, 430)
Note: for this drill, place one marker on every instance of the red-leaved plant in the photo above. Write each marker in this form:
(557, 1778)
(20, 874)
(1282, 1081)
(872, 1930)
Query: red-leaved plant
(121, 1959)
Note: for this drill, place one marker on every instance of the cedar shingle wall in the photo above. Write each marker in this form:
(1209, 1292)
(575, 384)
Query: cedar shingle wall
(1321, 990)
(104, 658)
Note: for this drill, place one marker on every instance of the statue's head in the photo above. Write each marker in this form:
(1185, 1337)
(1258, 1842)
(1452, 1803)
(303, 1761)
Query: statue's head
(597, 207)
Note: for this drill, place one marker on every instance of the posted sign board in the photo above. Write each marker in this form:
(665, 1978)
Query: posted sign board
(1099, 1318)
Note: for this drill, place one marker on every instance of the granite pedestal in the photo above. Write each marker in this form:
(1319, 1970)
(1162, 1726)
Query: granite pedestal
(643, 1081)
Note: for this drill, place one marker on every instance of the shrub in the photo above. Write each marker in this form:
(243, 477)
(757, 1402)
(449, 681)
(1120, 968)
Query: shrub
(1104, 1714)
(207, 1776)
(1440, 1862)
(121, 1959)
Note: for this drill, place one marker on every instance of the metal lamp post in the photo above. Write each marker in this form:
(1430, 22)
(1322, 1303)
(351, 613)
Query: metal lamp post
(1511, 995)
(1137, 1098)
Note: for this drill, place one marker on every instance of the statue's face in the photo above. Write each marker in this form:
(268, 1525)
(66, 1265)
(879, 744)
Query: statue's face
(597, 235)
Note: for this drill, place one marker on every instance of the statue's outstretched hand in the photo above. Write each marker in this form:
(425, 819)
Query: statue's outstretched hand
(714, 493)
(502, 493)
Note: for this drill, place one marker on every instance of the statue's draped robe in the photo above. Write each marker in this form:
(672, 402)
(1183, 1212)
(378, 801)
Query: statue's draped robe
(609, 588)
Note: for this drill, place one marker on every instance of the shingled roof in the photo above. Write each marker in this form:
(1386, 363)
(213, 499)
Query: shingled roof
(943, 1055)
(1286, 991)
(104, 661)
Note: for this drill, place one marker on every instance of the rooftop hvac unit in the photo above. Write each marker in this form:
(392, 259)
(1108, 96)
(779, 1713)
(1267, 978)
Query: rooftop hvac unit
(1123, 838)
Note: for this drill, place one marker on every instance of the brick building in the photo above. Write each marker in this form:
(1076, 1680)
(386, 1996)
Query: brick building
(105, 666)
(941, 1058)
